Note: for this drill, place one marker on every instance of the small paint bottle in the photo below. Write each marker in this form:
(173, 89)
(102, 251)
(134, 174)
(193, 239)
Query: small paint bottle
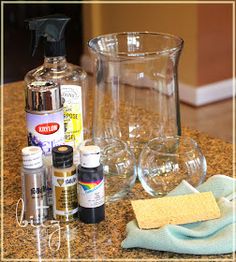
(91, 186)
(33, 179)
(64, 184)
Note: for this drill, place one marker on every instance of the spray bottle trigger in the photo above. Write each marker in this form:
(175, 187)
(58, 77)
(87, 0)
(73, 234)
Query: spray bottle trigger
(51, 28)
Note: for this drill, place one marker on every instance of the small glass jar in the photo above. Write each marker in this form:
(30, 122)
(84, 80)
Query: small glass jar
(164, 162)
(119, 167)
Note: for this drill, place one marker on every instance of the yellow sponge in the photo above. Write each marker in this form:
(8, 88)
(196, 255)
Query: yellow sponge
(157, 212)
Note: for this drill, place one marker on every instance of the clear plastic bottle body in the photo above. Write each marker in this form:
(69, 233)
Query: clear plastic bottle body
(57, 69)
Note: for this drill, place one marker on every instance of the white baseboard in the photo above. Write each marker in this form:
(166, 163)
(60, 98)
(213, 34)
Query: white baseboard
(206, 94)
(196, 96)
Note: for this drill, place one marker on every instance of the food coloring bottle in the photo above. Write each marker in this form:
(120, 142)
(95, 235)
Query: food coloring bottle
(91, 186)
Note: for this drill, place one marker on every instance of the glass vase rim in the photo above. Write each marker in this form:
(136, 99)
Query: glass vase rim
(137, 55)
(191, 142)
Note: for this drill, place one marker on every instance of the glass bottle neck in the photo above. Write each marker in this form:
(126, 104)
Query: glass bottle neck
(55, 63)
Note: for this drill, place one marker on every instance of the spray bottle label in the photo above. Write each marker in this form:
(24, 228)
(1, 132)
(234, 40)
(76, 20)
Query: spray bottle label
(73, 119)
(65, 203)
(45, 131)
(91, 194)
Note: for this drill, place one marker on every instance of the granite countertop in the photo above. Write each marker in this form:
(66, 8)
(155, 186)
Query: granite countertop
(80, 241)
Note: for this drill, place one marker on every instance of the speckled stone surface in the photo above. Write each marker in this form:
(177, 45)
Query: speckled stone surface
(80, 241)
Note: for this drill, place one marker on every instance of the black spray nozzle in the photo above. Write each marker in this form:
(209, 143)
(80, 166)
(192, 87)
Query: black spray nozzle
(51, 28)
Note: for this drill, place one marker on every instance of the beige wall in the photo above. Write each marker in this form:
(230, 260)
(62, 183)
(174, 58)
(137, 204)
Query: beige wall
(197, 24)
(214, 43)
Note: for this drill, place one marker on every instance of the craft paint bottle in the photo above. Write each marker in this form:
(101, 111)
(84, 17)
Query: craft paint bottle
(33, 179)
(91, 186)
(64, 184)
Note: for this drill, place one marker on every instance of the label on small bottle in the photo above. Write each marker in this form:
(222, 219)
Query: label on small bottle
(45, 131)
(91, 194)
(65, 198)
(73, 119)
(34, 191)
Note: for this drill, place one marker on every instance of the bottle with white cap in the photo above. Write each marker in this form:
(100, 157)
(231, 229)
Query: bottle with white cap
(33, 179)
(91, 186)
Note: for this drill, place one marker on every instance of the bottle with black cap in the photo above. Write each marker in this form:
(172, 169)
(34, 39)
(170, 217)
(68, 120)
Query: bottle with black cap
(50, 31)
(64, 183)
(91, 186)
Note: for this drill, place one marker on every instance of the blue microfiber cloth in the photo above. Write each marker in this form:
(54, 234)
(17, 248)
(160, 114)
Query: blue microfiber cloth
(201, 238)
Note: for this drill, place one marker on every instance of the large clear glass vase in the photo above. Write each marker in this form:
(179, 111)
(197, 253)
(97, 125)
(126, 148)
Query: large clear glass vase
(136, 89)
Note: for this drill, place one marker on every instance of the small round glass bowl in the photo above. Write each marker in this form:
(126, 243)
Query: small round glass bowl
(119, 165)
(164, 162)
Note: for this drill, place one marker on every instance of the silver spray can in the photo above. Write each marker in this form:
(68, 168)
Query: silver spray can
(44, 115)
(34, 185)
(45, 121)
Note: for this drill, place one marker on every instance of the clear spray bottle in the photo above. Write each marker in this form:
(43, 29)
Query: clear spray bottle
(73, 80)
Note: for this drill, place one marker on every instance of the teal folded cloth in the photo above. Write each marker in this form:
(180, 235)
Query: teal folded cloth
(201, 238)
